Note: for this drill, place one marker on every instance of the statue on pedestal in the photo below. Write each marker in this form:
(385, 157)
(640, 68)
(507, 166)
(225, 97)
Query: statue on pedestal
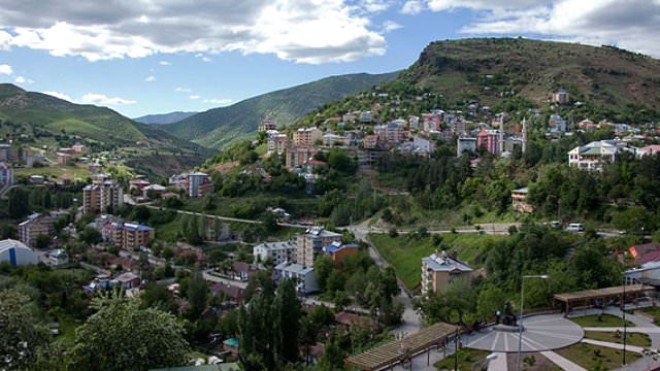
(508, 318)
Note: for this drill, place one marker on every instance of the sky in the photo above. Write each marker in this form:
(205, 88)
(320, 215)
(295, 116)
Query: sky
(154, 56)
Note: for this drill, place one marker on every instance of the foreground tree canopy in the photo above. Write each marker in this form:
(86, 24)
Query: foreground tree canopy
(121, 336)
(20, 336)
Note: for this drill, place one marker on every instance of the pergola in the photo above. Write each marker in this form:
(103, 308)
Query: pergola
(589, 297)
(390, 354)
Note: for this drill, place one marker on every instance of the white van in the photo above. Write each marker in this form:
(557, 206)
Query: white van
(575, 227)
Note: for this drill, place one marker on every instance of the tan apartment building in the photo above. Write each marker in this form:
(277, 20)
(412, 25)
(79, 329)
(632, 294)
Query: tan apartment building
(131, 236)
(310, 244)
(299, 156)
(307, 136)
(35, 225)
(102, 194)
(439, 270)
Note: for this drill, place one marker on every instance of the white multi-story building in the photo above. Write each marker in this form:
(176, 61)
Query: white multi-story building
(277, 143)
(304, 277)
(594, 155)
(277, 252)
(6, 174)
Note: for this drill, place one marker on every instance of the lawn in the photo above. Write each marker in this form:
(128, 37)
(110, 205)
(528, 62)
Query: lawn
(654, 311)
(72, 172)
(606, 320)
(467, 359)
(594, 357)
(68, 326)
(640, 340)
(405, 252)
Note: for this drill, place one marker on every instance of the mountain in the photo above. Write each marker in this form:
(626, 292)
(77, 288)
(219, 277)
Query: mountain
(493, 70)
(42, 119)
(219, 126)
(164, 118)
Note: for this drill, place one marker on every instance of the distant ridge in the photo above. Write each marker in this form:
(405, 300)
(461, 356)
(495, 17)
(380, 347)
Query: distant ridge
(218, 127)
(164, 118)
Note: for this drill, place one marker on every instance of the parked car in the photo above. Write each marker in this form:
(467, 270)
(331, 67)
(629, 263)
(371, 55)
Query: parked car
(575, 227)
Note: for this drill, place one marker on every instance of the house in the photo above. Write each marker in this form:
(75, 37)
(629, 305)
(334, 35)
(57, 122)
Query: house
(464, 144)
(648, 151)
(243, 271)
(277, 252)
(127, 280)
(231, 345)
(557, 124)
(439, 270)
(234, 293)
(17, 253)
(645, 253)
(339, 251)
(304, 277)
(33, 226)
(561, 96)
(58, 258)
(267, 125)
(153, 189)
(490, 140)
(78, 148)
(519, 201)
(63, 158)
(310, 244)
(370, 142)
(593, 156)
(5, 152)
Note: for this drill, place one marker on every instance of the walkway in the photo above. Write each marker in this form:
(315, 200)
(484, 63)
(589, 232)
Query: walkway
(542, 332)
(562, 362)
(499, 363)
(607, 344)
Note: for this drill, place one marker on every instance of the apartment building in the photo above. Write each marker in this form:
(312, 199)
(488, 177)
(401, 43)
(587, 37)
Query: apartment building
(439, 270)
(307, 136)
(310, 244)
(277, 252)
(33, 226)
(131, 236)
(6, 174)
(277, 143)
(101, 194)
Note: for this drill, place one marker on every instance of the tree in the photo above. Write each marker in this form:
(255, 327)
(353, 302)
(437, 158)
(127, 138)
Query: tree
(491, 299)
(90, 236)
(20, 334)
(18, 203)
(158, 296)
(323, 268)
(121, 336)
(42, 242)
(333, 357)
(287, 312)
(197, 294)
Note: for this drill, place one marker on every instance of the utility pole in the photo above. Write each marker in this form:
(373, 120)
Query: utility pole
(625, 328)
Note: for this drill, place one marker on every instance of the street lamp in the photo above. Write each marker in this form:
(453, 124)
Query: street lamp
(623, 310)
(522, 300)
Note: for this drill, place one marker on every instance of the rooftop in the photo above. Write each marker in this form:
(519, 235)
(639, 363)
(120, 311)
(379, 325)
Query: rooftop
(441, 262)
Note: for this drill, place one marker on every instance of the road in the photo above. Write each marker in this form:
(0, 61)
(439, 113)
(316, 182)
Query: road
(411, 321)
(226, 218)
(213, 278)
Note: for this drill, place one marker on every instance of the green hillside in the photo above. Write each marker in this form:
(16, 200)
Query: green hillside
(47, 120)
(493, 70)
(218, 127)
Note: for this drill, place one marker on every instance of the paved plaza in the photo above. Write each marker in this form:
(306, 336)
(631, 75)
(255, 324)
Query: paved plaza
(541, 333)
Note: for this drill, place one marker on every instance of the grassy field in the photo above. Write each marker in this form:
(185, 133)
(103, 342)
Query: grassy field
(655, 312)
(405, 252)
(606, 320)
(72, 172)
(641, 340)
(467, 359)
(594, 357)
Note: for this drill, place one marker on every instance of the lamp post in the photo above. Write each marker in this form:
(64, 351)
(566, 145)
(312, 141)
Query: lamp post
(520, 323)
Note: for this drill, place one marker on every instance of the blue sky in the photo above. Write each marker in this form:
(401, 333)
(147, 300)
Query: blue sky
(141, 56)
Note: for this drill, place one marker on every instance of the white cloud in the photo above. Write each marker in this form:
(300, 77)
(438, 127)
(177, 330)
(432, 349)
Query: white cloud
(389, 26)
(59, 95)
(194, 97)
(412, 7)
(92, 98)
(165, 63)
(629, 24)
(304, 31)
(219, 101)
(151, 78)
(182, 90)
(23, 81)
(6, 69)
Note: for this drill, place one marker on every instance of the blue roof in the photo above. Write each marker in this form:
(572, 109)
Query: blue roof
(137, 227)
(336, 246)
(233, 342)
